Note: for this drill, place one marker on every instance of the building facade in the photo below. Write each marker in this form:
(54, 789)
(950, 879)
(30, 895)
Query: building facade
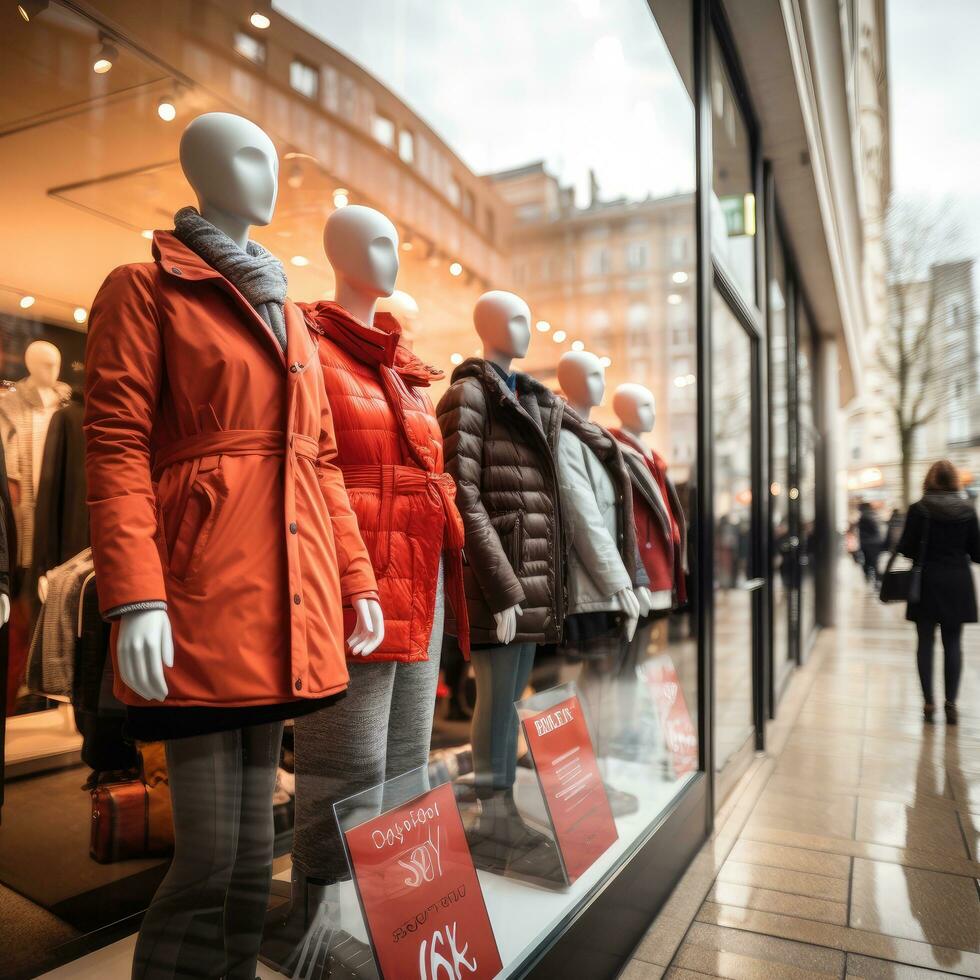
(693, 190)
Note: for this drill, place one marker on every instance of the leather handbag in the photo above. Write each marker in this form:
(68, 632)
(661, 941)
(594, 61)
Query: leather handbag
(905, 585)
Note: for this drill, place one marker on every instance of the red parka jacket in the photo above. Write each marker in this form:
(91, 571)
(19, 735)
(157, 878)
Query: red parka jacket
(661, 531)
(390, 451)
(211, 485)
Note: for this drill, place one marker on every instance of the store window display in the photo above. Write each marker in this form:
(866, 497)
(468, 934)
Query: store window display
(223, 539)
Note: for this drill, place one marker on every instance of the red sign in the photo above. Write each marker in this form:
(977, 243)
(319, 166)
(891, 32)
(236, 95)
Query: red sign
(420, 895)
(572, 785)
(679, 733)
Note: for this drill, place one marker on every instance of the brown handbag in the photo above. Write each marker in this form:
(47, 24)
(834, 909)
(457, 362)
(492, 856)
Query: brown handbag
(132, 819)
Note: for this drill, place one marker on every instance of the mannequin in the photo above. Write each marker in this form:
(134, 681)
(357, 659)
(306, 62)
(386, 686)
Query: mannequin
(25, 416)
(501, 432)
(235, 503)
(390, 452)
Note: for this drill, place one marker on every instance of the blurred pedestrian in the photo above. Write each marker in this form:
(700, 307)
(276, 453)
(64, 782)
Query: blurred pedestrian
(869, 538)
(893, 532)
(942, 535)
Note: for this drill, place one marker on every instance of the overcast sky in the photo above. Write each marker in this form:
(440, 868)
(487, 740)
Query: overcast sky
(934, 72)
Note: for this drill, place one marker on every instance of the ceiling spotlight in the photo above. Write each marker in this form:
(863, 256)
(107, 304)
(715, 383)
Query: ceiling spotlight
(31, 9)
(578, 345)
(543, 326)
(406, 246)
(147, 234)
(300, 260)
(341, 198)
(455, 269)
(559, 336)
(605, 361)
(259, 20)
(295, 178)
(105, 57)
(26, 302)
(456, 358)
(679, 277)
(80, 314)
(167, 108)
(674, 299)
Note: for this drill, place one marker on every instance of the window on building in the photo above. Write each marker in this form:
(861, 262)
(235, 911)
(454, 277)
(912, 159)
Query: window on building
(454, 192)
(383, 130)
(406, 145)
(636, 256)
(468, 204)
(303, 78)
(250, 47)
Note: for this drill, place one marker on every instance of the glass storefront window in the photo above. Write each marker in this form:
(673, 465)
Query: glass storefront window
(731, 356)
(563, 171)
(783, 549)
(807, 477)
(733, 205)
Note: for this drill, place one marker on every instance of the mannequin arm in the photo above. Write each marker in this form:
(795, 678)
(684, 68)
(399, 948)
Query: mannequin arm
(353, 561)
(587, 530)
(144, 647)
(645, 598)
(123, 370)
(462, 412)
(369, 630)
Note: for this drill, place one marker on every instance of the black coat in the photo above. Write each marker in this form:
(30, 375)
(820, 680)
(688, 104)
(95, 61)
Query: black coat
(952, 542)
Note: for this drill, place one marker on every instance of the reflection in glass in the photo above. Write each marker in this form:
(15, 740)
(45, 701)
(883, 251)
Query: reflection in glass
(733, 197)
(808, 478)
(732, 481)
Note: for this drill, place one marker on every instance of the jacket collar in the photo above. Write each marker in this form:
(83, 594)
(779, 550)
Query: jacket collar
(631, 443)
(593, 435)
(380, 343)
(179, 261)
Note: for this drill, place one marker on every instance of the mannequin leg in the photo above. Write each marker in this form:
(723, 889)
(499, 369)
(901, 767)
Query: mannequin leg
(251, 879)
(522, 674)
(181, 934)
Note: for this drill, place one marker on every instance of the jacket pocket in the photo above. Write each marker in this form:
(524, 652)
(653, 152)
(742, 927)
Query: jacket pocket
(510, 530)
(204, 500)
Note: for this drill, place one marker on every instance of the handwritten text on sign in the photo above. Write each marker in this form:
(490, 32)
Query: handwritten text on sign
(420, 894)
(572, 785)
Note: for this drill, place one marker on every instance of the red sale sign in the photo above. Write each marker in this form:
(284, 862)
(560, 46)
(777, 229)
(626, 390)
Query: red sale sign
(679, 733)
(558, 738)
(419, 892)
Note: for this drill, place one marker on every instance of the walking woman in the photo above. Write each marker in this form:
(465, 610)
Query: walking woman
(941, 532)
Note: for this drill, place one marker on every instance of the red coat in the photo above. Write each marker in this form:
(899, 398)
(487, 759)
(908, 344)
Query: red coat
(211, 485)
(660, 524)
(390, 451)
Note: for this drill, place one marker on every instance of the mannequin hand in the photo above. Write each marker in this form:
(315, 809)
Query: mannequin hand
(4, 609)
(630, 605)
(42, 589)
(507, 624)
(369, 630)
(645, 598)
(144, 647)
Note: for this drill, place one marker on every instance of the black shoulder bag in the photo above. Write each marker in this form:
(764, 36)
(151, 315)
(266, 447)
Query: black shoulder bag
(905, 585)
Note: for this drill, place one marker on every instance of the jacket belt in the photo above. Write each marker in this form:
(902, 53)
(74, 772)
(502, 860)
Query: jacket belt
(390, 479)
(233, 442)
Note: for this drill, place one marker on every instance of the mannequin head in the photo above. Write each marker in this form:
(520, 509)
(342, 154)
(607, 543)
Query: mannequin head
(234, 170)
(503, 323)
(635, 407)
(43, 362)
(362, 246)
(583, 380)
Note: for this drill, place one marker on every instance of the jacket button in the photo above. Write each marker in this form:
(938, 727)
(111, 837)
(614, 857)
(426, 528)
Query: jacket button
(293, 528)
(297, 599)
(176, 271)
(299, 684)
(294, 368)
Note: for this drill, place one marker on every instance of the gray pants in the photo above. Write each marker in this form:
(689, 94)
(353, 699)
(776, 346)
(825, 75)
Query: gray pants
(206, 917)
(502, 674)
(381, 729)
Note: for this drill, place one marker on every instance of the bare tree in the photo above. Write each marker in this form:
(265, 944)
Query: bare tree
(918, 235)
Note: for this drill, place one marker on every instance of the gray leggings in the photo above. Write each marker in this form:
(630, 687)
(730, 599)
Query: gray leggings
(381, 729)
(502, 674)
(206, 917)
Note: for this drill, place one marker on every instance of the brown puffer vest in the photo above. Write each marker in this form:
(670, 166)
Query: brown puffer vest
(500, 449)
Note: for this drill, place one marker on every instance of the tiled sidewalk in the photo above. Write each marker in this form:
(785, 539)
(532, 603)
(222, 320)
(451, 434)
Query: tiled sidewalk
(850, 849)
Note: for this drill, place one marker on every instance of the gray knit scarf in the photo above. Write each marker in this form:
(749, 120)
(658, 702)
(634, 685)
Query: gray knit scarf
(255, 272)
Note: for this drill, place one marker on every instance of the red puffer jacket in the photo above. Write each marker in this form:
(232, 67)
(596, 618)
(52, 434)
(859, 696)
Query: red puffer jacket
(390, 452)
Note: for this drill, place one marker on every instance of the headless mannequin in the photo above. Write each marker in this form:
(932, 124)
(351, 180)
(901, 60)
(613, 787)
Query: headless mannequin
(636, 409)
(207, 916)
(583, 382)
